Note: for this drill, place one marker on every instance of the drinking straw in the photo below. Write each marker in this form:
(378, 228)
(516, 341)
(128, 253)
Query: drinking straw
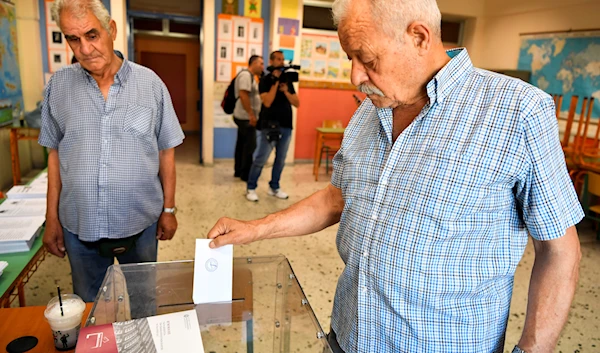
(60, 301)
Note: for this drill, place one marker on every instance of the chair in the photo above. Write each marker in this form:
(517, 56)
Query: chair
(558, 98)
(590, 197)
(330, 146)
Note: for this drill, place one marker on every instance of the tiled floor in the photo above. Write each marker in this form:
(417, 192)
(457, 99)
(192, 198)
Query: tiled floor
(206, 193)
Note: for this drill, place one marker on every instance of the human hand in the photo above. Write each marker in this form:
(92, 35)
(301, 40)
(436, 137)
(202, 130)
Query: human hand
(230, 231)
(253, 120)
(283, 87)
(53, 237)
(167, 225)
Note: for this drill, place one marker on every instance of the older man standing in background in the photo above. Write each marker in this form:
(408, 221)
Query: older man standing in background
(111, 129)
(442, 174)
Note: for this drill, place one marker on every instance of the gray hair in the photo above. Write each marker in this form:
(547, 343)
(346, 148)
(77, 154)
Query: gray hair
(79, 9)
(394, 16)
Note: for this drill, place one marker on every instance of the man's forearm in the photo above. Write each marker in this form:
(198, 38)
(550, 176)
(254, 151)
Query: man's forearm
(315, 213)
(269, 97)
(293, 99)
(167, 176)
(551, 290)
(54, 185)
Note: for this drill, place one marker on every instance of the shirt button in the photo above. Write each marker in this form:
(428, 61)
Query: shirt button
(105, 141)
(384, 182)
(366, 254)
(104, 164)
(364, 289)
(374, 217)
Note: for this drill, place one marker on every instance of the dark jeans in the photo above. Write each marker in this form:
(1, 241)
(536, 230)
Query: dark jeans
(88, 267)
(244, 148)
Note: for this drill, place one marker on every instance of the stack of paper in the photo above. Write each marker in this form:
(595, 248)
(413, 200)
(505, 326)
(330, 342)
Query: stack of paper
(17, 234)
(37, 189)
(3, 265)
(23, 208)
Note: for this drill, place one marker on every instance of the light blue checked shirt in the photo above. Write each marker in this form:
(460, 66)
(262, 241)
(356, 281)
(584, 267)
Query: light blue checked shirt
(435, 223)
(109, 150)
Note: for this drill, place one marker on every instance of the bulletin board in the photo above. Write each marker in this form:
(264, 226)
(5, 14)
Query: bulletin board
(59, 52)
(238, 38)
(323, 61)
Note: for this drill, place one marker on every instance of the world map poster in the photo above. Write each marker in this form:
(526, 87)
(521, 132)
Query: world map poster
(11, 97)
(564, 63)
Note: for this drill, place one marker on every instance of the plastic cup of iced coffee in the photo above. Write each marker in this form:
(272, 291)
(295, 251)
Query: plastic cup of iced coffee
(65, 322)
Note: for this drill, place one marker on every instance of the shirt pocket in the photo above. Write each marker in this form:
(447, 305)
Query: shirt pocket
(139, 121)
(138, 128)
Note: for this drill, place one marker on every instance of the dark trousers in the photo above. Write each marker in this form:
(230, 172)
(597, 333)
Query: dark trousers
(244, 148)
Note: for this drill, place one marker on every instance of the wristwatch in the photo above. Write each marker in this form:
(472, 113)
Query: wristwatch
(518, 350)
(172, 210)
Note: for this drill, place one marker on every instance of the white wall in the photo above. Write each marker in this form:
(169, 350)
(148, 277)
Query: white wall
(506, 19)
(118, 12)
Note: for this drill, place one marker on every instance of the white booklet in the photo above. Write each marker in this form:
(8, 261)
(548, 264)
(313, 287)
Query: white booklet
(168, 333)
(27, 192)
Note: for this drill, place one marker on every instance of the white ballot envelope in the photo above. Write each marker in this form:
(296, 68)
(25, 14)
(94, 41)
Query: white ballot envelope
(213, 273)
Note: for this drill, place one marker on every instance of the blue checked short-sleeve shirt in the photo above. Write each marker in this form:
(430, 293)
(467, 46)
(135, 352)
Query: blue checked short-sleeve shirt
(109, 150)
(435, 223)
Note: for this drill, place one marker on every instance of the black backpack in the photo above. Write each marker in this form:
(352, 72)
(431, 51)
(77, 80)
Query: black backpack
(229, 98)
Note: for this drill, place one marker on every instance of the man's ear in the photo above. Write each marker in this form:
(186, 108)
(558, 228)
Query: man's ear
(113, 29)
(420, 35)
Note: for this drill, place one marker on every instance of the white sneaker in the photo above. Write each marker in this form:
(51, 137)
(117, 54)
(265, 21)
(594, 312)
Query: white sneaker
(251, 196)
(278, 194)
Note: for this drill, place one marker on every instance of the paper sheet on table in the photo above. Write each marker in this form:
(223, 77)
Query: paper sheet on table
(27, 192)
(19, 228)
(213, 273)
(23, 208)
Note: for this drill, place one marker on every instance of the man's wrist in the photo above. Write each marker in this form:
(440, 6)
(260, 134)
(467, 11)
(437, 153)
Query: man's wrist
(170, 210)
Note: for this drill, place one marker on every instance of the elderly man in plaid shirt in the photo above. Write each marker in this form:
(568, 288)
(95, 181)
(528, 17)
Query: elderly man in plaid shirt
(111, 129)
(442, 174)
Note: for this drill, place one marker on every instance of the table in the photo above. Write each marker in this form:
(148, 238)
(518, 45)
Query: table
(324, 134)
(21, 266)
(269, 311)
(29, 321)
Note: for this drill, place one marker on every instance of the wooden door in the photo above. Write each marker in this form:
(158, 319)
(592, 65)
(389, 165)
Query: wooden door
(176, 62)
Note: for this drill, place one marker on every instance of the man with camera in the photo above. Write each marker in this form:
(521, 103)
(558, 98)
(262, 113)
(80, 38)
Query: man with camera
(274, 129)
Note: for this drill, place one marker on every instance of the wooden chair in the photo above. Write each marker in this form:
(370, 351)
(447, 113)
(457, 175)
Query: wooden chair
(558, 98)
(571, 148)
(567, 134)
(584, 154)
(330, 146)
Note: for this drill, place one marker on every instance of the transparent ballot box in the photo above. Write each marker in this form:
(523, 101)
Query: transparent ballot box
(269, 311)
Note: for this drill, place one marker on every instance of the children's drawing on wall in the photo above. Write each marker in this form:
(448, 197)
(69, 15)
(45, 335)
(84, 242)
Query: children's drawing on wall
(230, 7)
(224, 51)
(333, 70)
(254, 49)
(321, 48)
(253, 8)
(305, 67)
(334, 50)
(225, 29)
(320, 68)
(306, 47)
(288, 26)
(224, 71)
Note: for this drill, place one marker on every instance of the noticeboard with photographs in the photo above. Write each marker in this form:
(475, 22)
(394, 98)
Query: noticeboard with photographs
(238, 38)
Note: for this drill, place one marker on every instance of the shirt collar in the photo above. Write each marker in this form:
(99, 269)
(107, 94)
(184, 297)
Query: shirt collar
(448, 78)
(124, 70)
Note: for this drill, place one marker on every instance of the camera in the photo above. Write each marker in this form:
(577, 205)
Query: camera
(288, 73)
